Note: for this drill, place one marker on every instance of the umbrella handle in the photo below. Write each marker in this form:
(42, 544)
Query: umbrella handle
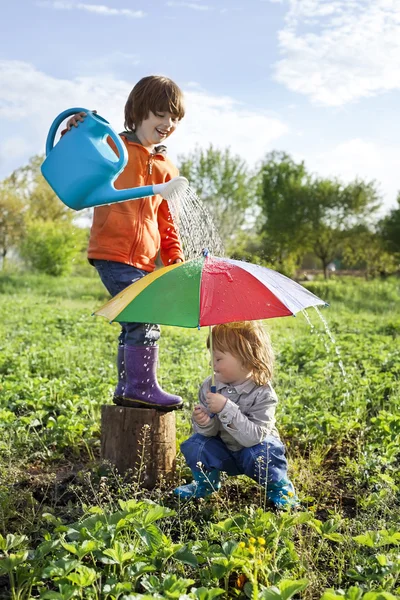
(213, 391)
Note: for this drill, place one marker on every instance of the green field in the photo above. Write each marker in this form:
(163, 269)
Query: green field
(70, 527)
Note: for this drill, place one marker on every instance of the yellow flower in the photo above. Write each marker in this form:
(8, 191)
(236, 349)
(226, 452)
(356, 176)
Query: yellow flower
(242, 545)
(261, 541)
(290, 494)
(252, 549)
(252, 540)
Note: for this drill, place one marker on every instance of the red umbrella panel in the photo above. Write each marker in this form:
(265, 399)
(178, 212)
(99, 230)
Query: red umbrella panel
(208, 291)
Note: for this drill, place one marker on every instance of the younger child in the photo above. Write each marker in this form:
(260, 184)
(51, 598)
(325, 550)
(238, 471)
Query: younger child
(241, 438)
(126, 237)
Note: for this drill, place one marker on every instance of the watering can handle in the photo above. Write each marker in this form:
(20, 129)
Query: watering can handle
(73, 111)
(56, 124)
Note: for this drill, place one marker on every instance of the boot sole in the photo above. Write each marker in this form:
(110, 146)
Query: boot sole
(128, 403)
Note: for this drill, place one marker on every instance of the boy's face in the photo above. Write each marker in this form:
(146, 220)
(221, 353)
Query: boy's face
(228, 368)
(156, 128)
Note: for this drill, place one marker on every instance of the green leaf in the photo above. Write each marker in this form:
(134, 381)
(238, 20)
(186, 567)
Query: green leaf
(229, 547)
(369, 539)
(71, 548)
(10, 562)
(83, 576)
(11, 541)
(60, 568)
(287, 588)
(379, 596)
(187, 557)
(207, 594)
(150, 535)
(155, 513)
(219, 570)
(354, 593)
(331, 595)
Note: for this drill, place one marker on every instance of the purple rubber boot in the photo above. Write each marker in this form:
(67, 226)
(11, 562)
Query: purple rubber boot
(119, 390)
(142, 389)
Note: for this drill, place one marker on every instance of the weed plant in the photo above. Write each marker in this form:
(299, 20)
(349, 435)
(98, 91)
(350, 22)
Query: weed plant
(73, 527)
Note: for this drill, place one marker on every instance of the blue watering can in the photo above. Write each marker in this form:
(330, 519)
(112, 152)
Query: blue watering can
(82, 167)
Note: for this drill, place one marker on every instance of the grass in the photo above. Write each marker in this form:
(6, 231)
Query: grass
(57, 367)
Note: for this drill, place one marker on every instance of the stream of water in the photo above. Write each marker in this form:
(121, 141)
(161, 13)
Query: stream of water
(194, 225)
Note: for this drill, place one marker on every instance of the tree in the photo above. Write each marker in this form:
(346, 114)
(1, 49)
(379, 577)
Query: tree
(51, 247)
(389, 228)
(283, 196)
(365, 248)
(302, 213)
(225, 185)
(11, 218)
(41, 202)
(334, 209)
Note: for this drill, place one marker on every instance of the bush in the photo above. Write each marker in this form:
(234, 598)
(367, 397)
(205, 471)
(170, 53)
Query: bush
(51, 247)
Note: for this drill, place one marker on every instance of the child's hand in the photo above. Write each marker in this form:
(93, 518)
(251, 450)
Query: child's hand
(200, 416)
(76, 119)
(215, 402)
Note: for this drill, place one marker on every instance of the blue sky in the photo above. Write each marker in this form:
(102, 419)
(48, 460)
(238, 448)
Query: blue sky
(319, 79)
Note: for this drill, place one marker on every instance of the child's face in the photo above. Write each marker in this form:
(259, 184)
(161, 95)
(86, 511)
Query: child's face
(156, 128)
(228, 368)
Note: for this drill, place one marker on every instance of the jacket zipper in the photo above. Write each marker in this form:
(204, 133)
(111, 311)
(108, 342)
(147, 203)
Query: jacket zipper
(140, 214)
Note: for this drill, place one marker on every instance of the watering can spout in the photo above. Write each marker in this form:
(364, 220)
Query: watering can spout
(82, 167)
(107, 194)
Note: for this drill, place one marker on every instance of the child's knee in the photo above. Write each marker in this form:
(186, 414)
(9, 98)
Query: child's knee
(192, 445)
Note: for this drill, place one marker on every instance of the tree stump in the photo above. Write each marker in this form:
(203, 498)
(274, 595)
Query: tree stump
(140, 439)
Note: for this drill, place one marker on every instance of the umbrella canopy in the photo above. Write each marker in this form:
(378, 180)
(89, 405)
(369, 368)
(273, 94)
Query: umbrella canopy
(208, 291)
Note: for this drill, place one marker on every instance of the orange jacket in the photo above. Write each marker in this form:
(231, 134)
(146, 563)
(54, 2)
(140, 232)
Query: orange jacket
(133, 232)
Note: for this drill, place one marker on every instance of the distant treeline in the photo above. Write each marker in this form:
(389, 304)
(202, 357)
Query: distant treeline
(277, 214)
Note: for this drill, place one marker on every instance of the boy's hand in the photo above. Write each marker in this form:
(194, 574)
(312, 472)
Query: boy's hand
(215, 402)
(76, 119)
(200, 416)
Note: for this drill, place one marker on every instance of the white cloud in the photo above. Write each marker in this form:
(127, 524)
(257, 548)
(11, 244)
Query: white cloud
(221, 121)
(13, 147)
(337, 52)
(98, 9)
(189, 5)
(361, 158)
(30, 100)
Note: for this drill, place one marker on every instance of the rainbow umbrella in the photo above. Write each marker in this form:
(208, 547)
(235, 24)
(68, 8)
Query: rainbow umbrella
(208, 291)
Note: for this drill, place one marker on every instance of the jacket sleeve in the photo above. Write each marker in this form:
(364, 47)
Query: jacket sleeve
(171, 248)
(212, 428)
(249, 430)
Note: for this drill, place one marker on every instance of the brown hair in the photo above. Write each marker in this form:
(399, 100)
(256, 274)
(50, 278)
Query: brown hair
(249, 342)
(156, 94)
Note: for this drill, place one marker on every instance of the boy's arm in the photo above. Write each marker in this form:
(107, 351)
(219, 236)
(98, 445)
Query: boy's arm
(252, 429)
(171, 248)
(212, 428)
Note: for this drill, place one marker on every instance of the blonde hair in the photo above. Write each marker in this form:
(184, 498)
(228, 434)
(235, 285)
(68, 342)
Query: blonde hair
(156, 94)
(250, 343)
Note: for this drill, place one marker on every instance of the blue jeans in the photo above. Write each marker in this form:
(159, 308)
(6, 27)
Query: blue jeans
(116, 276)
(264, 462)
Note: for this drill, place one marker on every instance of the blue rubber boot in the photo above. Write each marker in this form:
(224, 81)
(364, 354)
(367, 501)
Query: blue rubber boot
(282, 494)
(204, 484)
